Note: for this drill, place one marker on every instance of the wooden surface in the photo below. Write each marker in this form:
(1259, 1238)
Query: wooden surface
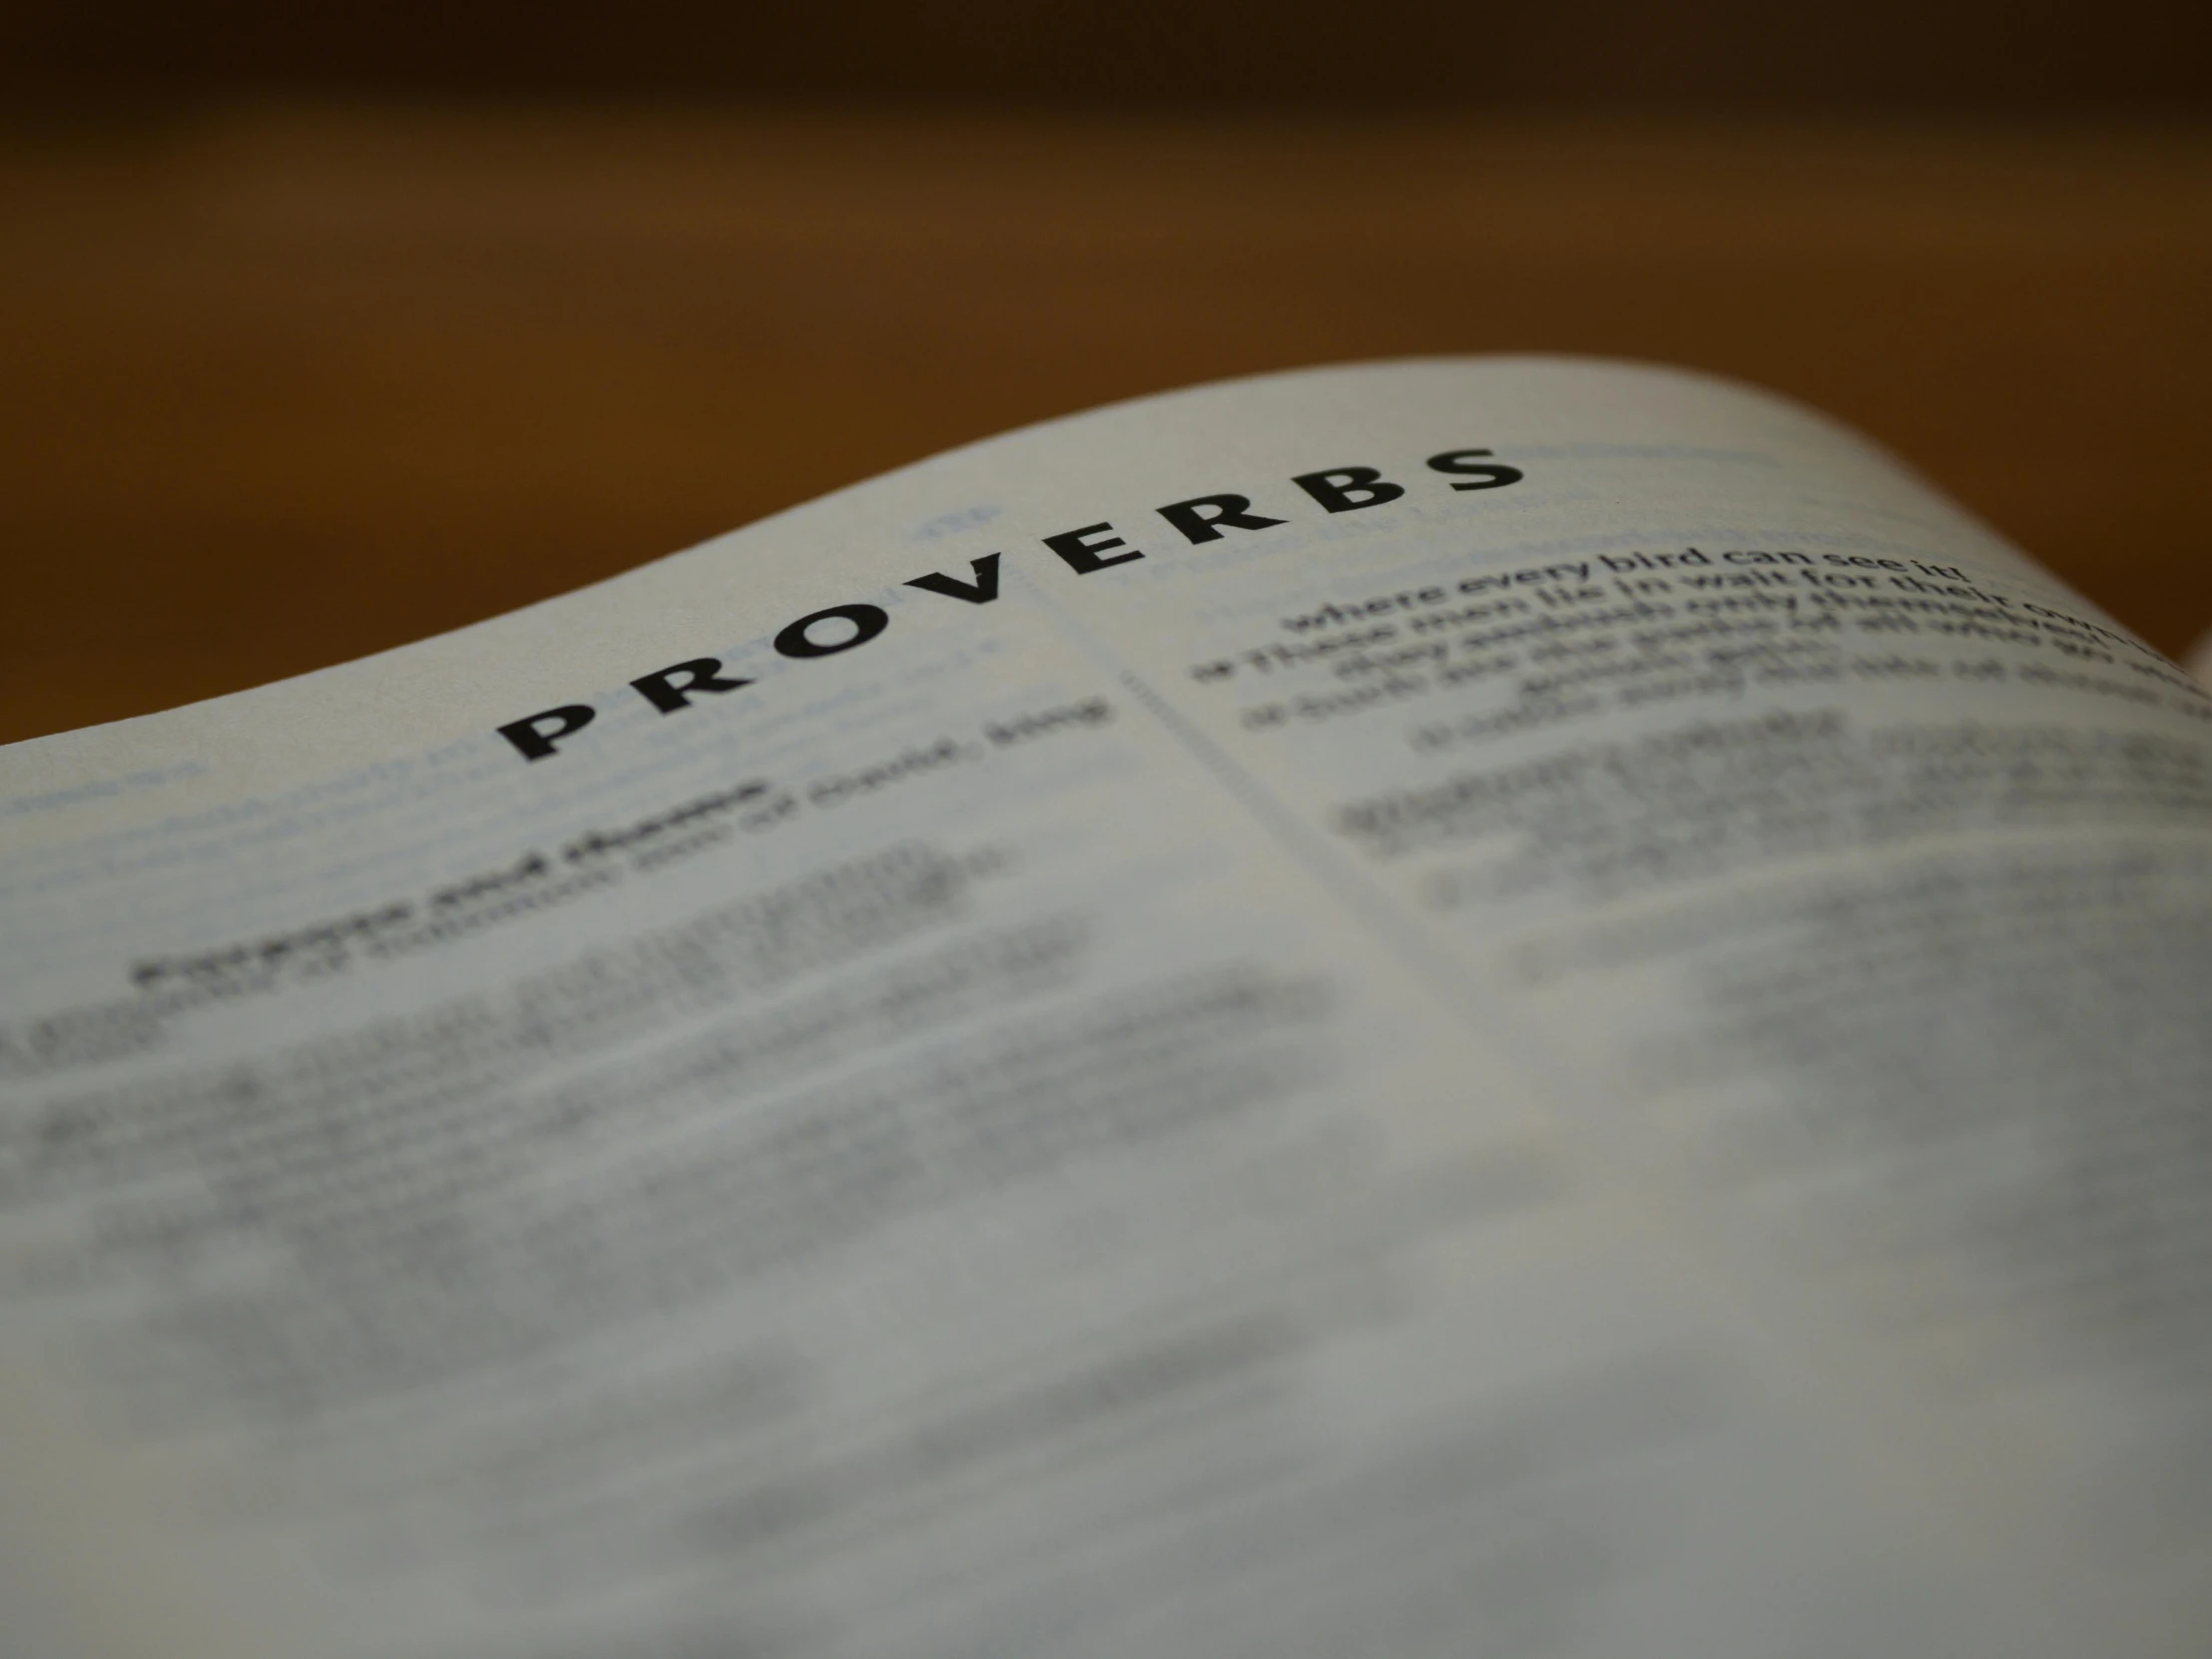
(285, 386)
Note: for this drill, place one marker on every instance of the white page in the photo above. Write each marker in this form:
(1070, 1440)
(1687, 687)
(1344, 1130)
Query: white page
(1601, 1063)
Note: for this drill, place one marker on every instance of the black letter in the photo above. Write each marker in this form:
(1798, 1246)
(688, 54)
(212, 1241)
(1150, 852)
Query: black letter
(1336, 488)
(867, 620)
(535, 745)
(1081, 549)
(1484, 478)
(981, 591)
(1197, 525)
(702, 675)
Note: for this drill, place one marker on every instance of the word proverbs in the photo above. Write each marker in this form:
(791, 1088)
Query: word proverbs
(1086, 550)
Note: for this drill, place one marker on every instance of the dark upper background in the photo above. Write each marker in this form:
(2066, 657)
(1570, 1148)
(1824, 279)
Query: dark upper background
(324, 328)
(2029, 57)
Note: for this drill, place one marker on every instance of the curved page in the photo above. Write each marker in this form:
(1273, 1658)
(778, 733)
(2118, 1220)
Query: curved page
(1471, 1006)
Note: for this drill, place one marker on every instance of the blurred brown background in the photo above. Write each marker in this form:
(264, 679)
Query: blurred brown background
(322, 329)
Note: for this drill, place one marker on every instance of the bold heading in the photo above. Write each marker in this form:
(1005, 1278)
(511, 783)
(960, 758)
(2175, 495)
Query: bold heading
(1085, 550)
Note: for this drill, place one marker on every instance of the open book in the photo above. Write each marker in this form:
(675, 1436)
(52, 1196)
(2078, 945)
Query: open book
(1462, 1007)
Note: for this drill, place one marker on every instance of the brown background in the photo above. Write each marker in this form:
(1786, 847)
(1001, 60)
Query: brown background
(321, 331)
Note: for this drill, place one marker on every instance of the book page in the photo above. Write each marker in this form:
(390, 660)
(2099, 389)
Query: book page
(1504, 1006)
